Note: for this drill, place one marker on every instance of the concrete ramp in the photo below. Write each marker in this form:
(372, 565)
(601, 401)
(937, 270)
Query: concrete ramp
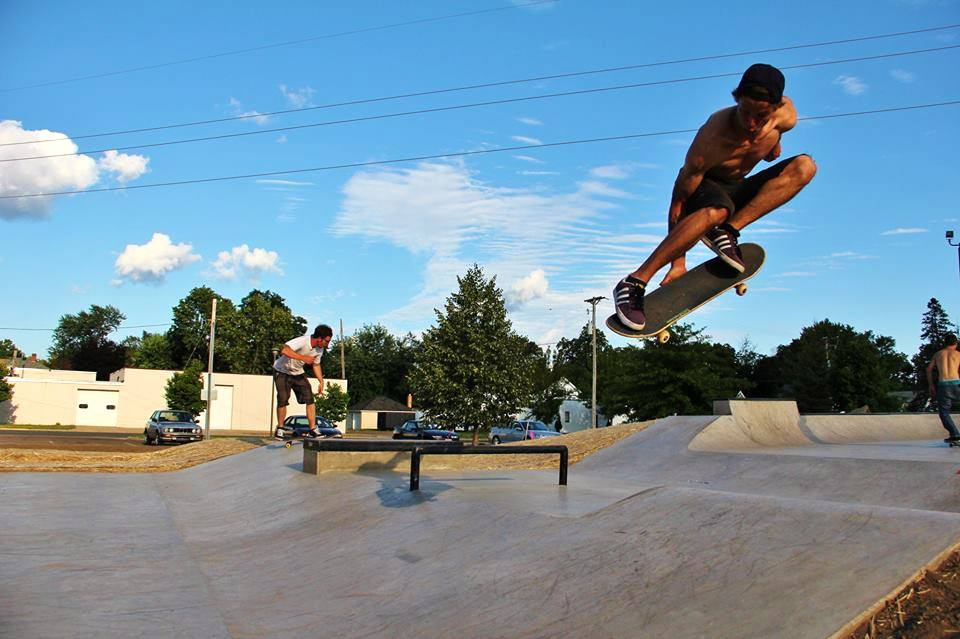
(749, 424)
(848, 429)
(653, 537)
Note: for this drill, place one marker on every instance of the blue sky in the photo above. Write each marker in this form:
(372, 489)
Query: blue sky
(863, 244)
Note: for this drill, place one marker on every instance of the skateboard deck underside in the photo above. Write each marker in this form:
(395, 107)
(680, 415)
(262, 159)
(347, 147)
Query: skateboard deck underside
(666, 305)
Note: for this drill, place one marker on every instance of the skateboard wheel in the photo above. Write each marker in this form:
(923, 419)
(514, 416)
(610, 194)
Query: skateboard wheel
(663, 337)
(287, 444)
(741, 289)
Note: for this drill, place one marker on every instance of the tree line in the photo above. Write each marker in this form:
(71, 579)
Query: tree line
(471, 368)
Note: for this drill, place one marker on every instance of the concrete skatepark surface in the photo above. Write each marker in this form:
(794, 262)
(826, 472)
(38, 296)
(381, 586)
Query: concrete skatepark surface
(756, 523)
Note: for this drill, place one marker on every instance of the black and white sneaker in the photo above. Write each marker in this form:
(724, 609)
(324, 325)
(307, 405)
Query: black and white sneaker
(628, 299)
(722, 240)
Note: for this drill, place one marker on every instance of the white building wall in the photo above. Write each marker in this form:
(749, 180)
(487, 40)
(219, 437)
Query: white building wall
(48, 400)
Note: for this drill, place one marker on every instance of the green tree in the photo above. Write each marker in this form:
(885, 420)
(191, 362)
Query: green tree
(261, 323)
(831, 367)
(682, 376)
(333, 403)
(183, 389)
(934, 327)
(152, 350)
(81, 341)
(472, 368)
(548, 390)
(574, 362)
(376, 363)
(8, 348)
(188, 336)
(6, 391)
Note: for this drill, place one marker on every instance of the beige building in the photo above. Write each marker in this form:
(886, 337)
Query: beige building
(47, 397)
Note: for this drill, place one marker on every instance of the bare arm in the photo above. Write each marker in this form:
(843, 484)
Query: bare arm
(787, 114)
(689, 178)
(318, 373)
(932, 365)
(292, 354)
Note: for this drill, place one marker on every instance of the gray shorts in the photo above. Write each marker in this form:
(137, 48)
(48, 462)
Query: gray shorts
(299, 384)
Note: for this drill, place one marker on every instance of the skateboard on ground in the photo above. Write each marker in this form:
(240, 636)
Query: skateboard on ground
(289, 442)
(673, 301)
(952, 443)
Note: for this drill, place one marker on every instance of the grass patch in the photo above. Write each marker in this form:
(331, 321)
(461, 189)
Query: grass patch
(39, 426)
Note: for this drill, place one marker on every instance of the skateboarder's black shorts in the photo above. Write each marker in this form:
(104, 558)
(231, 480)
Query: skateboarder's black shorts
(298, 383)
(732, 195)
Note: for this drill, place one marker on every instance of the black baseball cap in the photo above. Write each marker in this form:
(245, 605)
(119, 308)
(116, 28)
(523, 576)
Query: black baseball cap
(761, 76)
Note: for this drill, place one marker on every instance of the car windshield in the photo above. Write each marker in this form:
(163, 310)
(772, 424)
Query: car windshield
(537, 426)
(174, 416)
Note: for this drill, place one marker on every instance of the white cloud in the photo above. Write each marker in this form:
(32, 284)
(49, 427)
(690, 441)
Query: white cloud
(282, 139)
(68, 173)
(599, 188)
(525, 140)
(533, 286)
(527, 158)
(851, 84)
(242, 260)
(299, 98)
(151, 262)
(904, 231)
(237, 109)
(610, 172)
(539, 172)
(284, 182)
(125, 167)
(903, 76)
(449, 219)
(530, 121)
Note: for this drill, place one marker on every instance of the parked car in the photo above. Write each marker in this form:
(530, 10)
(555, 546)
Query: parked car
(522, 430)
(418, 429)
(297, 426)
(172, 426)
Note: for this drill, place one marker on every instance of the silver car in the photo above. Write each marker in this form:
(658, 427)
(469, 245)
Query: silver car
(522, 430)
(172, 426)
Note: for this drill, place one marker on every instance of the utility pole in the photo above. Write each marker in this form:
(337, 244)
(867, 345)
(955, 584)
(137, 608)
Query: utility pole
(343, 363)
(950, 242)
(593, 330)
(213, 332)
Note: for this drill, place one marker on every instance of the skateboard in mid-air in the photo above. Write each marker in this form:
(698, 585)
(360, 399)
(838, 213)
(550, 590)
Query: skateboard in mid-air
(673, 301)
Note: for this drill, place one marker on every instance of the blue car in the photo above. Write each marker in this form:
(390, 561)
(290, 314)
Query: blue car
(297, 426)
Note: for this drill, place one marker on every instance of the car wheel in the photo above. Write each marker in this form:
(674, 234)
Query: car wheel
(146, 438)
(495, 440)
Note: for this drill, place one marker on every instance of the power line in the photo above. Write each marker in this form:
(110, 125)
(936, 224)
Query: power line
(287, 43)
(473, 105)
(437, 156)
(12, 328)
(718, 56)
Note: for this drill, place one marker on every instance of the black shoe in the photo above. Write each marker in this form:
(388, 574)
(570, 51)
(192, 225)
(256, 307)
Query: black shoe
(722, 240)
(628, 299)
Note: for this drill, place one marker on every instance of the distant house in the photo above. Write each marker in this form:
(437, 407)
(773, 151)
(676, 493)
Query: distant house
(380, 413)
(574, 414)
(29, 363)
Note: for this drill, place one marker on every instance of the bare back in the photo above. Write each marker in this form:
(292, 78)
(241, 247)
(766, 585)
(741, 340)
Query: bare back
(947, 363)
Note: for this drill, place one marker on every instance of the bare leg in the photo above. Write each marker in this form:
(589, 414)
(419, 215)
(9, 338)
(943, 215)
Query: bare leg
(312, 415)
(684, 235)
(281, 414)
(776, 192)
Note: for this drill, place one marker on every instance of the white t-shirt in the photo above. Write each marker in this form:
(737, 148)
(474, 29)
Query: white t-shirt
(301, 345)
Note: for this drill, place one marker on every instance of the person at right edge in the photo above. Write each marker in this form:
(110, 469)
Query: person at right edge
(713, 199)
(947, 389)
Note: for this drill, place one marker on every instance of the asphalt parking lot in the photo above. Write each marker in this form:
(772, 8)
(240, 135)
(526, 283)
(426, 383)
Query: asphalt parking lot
(72, 440)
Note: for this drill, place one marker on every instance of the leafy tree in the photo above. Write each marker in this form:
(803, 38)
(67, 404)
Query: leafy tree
(261, 323)
(472, 368)
(8, 348)
(376, 363)
(333, 403)
(80, 342)
(6, 391)
(935, 326)
(547, 385)
(831, 367)
(574, 361)
(152, 350)
(188, 336)
(183, 389)
(682, 377)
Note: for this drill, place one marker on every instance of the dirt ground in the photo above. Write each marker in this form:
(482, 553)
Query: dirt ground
(927, 608)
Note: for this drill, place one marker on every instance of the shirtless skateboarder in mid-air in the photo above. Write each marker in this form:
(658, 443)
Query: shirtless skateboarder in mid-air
(713, 200)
